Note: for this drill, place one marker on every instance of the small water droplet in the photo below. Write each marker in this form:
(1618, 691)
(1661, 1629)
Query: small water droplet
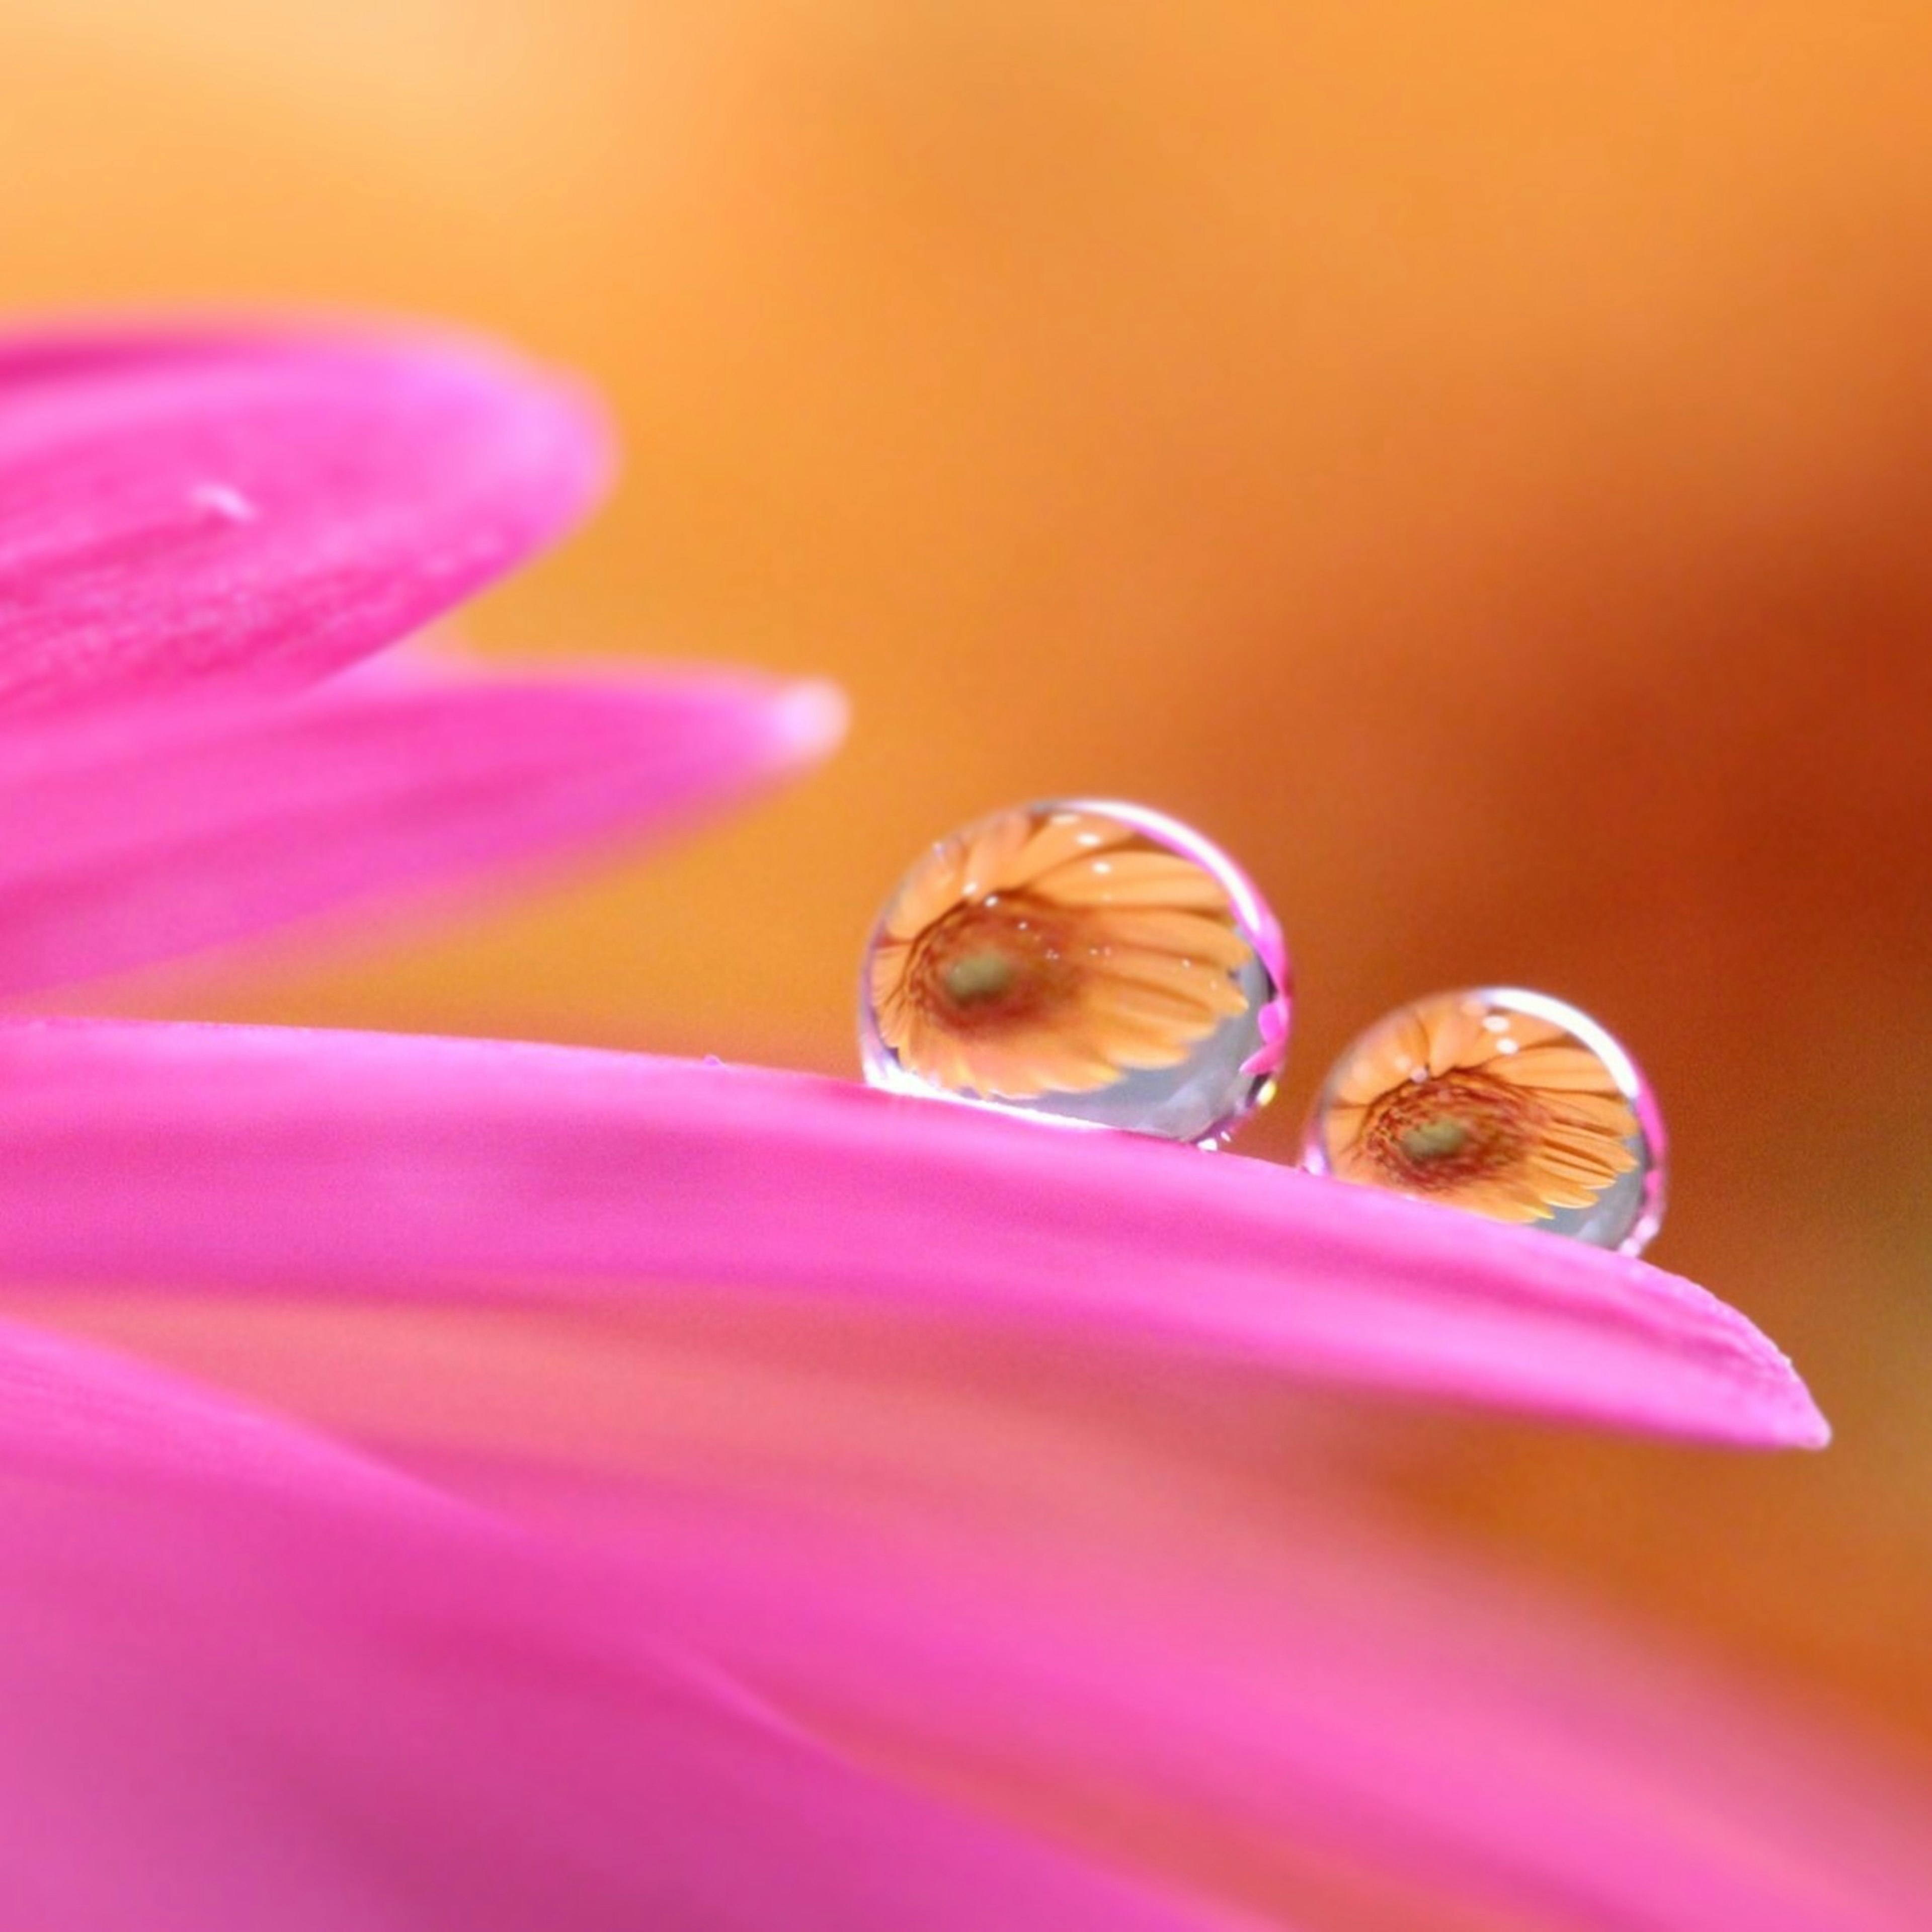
(220, 503)
(1144, 989)
(1508, 1103)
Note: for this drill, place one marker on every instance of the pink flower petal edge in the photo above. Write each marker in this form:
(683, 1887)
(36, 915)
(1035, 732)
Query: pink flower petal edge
(184, 504)
(154, 830)
(341, 1163)
(252, 1681)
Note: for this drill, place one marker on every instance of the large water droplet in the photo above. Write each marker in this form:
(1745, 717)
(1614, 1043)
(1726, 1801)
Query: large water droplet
(1092, 962)
(1508, 1103)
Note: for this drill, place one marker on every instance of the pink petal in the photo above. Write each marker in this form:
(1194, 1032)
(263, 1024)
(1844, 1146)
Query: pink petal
(158, 829)
(446, 1169)
(1350, 1708)
(1103, 1602)
(251, 1682)
(1106, 1602)
(178, 506)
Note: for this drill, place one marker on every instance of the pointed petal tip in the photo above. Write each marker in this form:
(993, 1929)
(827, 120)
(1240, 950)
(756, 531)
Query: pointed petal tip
(812, 716)
(1787, 1417)
(189, 502)
(419, 773)
(1811, 1428)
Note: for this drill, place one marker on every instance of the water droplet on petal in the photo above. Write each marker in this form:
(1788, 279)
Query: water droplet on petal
(1508, 1103)
(1095, 963)
(220, 503)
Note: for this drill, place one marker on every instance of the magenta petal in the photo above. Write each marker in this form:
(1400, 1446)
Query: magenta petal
(179, 507)
(252, 1681)
(158, 829)
(335, 1162)
(1327, 1696)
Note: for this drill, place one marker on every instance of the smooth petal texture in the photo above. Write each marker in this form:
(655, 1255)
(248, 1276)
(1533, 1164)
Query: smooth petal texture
(265, 1158)
(151, 830)
(1103, 1602)
(251, 1680)
(181, 506)
(1383, 1722)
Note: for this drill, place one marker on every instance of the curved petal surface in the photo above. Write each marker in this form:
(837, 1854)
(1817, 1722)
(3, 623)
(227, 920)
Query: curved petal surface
(1333, 1708)
(152, 830)
(1100, 1596)
(181, 505)
(261, 1158)
(252, 1681)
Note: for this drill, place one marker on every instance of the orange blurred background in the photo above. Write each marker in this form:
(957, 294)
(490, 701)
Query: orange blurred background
(1474, 461)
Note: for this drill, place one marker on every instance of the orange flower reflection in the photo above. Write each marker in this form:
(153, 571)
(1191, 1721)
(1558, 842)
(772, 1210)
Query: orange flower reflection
(1487, 1108)
(1053, 950)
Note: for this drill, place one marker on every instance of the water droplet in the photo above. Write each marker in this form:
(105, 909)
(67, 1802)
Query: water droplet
(221, 503)
(1093, 963)
(1508, 1103)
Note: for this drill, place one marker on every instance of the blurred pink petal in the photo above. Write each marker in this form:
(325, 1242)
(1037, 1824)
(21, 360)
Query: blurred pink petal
(1108, 1604)
(339, 1163)
(158, 828)
(1330, 1698)
(180, 506)
(250, 1680)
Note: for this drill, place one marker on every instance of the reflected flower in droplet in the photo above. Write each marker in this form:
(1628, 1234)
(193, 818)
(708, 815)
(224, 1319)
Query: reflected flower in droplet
(1097, 962)
(1507, 1103)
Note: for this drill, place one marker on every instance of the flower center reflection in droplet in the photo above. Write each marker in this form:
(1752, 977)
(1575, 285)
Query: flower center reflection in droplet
(1089, 962)
(1507, 1103)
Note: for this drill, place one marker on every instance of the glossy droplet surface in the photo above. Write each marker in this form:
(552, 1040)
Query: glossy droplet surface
(1085, 961)
(1508, 1103)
